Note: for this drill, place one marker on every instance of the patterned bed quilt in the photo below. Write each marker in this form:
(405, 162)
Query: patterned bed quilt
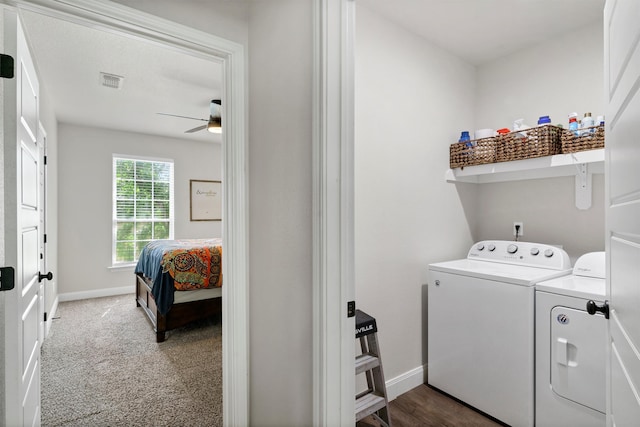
(180, 265)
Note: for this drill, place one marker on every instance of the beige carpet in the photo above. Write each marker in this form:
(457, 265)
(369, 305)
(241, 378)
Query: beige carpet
(101, 366)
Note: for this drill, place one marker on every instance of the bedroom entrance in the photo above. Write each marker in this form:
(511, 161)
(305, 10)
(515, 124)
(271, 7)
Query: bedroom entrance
(229, 56)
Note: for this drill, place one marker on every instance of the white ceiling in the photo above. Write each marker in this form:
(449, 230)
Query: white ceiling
(69, 58)
(479, 31)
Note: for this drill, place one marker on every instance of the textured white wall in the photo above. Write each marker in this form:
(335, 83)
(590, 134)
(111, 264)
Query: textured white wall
(280, 187)
(555, 79)
(412, 100)
(224, 18)
(85, 206)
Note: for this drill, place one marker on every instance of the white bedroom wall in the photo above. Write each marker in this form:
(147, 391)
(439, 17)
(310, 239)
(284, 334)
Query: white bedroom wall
(412, 100)
(85, 207)
(554, 79)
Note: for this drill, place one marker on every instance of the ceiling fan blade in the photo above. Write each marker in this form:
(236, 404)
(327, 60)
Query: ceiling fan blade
(196, 129)
(183, 117)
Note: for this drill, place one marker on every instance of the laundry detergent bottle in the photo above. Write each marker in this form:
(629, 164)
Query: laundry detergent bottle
(573, 123)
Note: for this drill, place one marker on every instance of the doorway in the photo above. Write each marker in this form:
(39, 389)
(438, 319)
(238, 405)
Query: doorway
(118, 19)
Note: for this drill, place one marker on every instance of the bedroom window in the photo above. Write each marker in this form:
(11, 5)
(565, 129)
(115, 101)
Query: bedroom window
(142, 205)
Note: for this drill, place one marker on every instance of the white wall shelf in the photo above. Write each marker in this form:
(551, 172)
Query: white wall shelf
(581, 164)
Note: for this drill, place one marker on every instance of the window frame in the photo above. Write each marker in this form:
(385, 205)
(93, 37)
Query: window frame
(114, 199)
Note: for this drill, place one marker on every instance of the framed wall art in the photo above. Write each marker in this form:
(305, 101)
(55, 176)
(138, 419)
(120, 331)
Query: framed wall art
(205, 200)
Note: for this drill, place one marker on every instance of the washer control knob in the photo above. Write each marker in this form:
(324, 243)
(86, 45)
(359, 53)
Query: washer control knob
(548, 253)
(535, 251)
(480, 246)
(512, 249)
(492, 247)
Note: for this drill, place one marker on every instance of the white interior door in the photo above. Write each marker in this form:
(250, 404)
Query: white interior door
(42, 253)
(22, 305)
(622, 147)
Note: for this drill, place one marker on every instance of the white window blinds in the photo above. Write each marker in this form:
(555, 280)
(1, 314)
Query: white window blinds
(142, 205)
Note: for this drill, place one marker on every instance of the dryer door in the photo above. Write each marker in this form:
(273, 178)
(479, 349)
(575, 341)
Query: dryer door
(578, 343)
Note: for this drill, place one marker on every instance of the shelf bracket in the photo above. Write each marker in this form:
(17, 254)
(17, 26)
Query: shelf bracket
(583, 187)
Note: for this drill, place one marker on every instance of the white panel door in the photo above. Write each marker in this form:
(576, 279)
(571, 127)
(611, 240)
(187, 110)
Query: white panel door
(22, 305)
(42, 291)
(622, 148)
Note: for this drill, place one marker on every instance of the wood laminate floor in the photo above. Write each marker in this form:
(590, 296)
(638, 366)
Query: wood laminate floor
(426, 407)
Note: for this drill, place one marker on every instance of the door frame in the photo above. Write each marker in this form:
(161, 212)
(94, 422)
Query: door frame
(231, 56)
(333, 212)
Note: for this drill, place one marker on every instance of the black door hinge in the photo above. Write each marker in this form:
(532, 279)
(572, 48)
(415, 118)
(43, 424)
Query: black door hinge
(351, 308)
(6, 66)
(45, 160)
(7, 278)
(45, 316)
(45, 238)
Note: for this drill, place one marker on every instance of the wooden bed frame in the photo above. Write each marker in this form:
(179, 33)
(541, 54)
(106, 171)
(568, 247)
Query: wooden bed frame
(179, 315)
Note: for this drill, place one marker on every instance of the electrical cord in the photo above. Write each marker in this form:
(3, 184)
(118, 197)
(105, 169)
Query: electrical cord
(517, 231)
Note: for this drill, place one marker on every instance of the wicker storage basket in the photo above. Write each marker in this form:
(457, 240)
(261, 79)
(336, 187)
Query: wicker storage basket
(592, 139)
(533, 142)
(475, 152)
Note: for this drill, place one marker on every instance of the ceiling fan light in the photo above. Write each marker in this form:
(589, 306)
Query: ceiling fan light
(215, 124)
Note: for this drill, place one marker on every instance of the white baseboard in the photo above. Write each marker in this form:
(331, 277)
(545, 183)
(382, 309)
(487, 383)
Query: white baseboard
(73, 296)
(405, 382)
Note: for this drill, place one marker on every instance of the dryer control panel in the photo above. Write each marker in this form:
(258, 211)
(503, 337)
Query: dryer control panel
(521, 253)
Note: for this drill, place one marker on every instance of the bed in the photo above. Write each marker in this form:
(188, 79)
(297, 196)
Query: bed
(179, 282)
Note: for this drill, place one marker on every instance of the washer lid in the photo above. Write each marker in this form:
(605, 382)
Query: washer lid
(592, 264)
(575, 286)
(507, 273)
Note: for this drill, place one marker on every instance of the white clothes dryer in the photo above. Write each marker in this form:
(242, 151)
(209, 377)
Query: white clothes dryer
(481, 325)
(570, 347)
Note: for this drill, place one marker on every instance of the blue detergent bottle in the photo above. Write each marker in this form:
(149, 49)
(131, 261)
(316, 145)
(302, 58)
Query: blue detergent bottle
(544, 120)
(464, 137)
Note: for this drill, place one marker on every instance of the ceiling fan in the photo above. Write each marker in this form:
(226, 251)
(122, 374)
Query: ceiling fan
(214, 122)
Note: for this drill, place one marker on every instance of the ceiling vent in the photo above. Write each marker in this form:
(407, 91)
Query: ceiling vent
(111, 80)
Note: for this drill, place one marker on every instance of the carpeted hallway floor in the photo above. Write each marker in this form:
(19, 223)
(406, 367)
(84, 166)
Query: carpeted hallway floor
(101, 366)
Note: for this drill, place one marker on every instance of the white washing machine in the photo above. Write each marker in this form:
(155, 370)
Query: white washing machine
(481, 325)
(570, 347)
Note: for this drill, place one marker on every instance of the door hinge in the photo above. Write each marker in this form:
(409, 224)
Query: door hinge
(6, 66)
(45, 238)
(351, 308)
(7, 278)
(45, 160)
(45, 316)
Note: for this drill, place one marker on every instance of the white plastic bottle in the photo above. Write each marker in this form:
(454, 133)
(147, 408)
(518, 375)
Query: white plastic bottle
(587, 124)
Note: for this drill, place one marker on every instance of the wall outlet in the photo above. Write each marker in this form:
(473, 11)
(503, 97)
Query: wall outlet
(521, 229)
